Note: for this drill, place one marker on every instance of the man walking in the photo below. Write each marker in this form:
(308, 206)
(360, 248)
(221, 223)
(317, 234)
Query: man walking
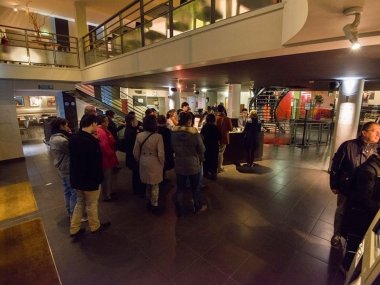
(350, 155)
(85, 175)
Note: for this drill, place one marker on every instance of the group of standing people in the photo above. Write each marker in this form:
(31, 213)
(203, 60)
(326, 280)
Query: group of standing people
(86, 159)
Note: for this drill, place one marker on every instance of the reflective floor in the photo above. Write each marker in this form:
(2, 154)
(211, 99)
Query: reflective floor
(271, 225)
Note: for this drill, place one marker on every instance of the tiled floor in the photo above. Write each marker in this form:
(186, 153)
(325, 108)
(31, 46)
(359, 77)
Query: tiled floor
(268, 227)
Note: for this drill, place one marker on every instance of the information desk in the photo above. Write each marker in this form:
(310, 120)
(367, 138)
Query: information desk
(235, 152)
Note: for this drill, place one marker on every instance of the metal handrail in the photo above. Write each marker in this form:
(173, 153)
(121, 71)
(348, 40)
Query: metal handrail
(111, 37)
(33, 48)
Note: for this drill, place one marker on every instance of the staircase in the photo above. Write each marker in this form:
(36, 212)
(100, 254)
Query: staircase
(265, 101)
(110, 97)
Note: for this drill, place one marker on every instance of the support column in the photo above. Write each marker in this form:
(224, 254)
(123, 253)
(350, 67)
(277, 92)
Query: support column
(348, 112)
(82, 29)
(233, 110)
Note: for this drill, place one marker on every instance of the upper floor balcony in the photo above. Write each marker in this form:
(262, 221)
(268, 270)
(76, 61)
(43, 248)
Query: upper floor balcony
(143, 23)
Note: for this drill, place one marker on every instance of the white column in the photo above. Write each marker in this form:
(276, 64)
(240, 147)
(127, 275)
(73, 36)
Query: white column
(233, 110)
(348, 112)
(10, 139)
(81, 25)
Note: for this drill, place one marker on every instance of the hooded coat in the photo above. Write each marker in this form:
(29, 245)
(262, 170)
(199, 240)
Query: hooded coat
(188, 150)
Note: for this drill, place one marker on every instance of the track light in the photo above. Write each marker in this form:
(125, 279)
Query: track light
(15, 8)
(351, 30)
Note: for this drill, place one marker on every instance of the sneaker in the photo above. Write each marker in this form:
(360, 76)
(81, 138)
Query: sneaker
(102, 228)
(78, 233)
(201, 209)
(336, 241)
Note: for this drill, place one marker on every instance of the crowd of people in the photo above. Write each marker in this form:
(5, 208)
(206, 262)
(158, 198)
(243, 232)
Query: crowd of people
(86, 160)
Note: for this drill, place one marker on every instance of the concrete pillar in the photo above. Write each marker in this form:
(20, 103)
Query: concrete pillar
(82, 29)
(233, 110)
(348, 112)
(10, 140)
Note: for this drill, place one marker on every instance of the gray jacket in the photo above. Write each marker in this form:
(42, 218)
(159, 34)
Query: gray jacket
(188, 150)
(59, 148)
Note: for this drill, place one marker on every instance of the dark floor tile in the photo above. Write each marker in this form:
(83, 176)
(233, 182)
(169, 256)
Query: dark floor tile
(227, 256)
(305, 269)
(256, 270)
(201, 272)
(174, 259)
(201, 240)
(323, 230)
(321, 249)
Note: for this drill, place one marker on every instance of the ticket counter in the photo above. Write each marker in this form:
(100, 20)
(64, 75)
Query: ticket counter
(235, 152)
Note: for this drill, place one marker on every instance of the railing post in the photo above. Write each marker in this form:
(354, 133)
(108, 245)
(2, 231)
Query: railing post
(27, 46)
(78, 55)
(142, 20)
(213, 17)
(121, 33)
(171, 18)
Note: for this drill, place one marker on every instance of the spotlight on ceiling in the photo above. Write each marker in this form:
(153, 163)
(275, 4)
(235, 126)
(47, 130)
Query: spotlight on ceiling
(334, 85)
(15, 8)
(351, 30)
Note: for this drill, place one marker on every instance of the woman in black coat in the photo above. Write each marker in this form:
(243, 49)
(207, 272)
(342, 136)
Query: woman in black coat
(166, 136)
(130, 133)
(211, 137)
(251, 137)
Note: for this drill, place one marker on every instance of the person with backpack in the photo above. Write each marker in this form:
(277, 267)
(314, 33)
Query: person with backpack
(349, 156)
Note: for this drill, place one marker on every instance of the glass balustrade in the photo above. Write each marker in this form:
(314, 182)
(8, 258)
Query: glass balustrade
(146, 22)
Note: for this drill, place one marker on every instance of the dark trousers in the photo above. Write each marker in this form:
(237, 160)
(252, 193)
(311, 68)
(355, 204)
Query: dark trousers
(250, 155)
(137, 186)
(210, 165)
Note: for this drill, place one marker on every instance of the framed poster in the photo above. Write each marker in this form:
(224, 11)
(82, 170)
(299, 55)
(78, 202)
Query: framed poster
(34, 101)
(50, 101)
(19, 100)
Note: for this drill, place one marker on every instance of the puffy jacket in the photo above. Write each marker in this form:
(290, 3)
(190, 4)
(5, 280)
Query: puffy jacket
(86, 172)
(59, 148)
(188, 150)
(349, 156)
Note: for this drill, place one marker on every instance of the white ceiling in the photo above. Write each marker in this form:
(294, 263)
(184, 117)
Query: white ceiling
(97, 10)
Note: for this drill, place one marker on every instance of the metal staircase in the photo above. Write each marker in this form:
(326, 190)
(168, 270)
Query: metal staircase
(265, 101)
(110, 97)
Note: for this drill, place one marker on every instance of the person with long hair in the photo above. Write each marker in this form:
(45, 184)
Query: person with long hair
(149, 152)
(251, 137)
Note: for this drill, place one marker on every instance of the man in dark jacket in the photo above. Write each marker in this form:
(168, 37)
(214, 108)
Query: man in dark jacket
(86, 174)
(362, 206)
(350, 155)
(112, 127)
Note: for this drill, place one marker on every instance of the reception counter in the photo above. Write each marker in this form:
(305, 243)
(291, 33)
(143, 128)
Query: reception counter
(235, 152)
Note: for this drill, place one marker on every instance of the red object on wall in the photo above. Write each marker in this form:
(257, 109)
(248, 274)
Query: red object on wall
(124, 106)
(284, 108)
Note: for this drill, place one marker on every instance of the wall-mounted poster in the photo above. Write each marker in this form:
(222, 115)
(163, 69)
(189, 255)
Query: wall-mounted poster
(50, 101)
(19, 100)
(34, 101)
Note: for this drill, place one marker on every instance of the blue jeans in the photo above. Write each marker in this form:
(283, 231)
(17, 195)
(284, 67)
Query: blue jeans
(181, 187)
(70, 195)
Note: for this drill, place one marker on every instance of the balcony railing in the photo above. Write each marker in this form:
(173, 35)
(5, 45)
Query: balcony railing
(28, 47)
(145, 22)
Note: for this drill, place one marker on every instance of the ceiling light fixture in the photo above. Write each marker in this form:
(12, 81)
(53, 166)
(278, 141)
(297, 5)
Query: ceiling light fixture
(351, 30)
(15, 8)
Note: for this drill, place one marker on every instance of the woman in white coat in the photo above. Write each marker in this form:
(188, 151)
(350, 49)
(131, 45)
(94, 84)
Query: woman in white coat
(149, 152)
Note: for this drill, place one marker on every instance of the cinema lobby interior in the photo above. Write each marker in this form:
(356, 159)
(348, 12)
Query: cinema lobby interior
(309, 68)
